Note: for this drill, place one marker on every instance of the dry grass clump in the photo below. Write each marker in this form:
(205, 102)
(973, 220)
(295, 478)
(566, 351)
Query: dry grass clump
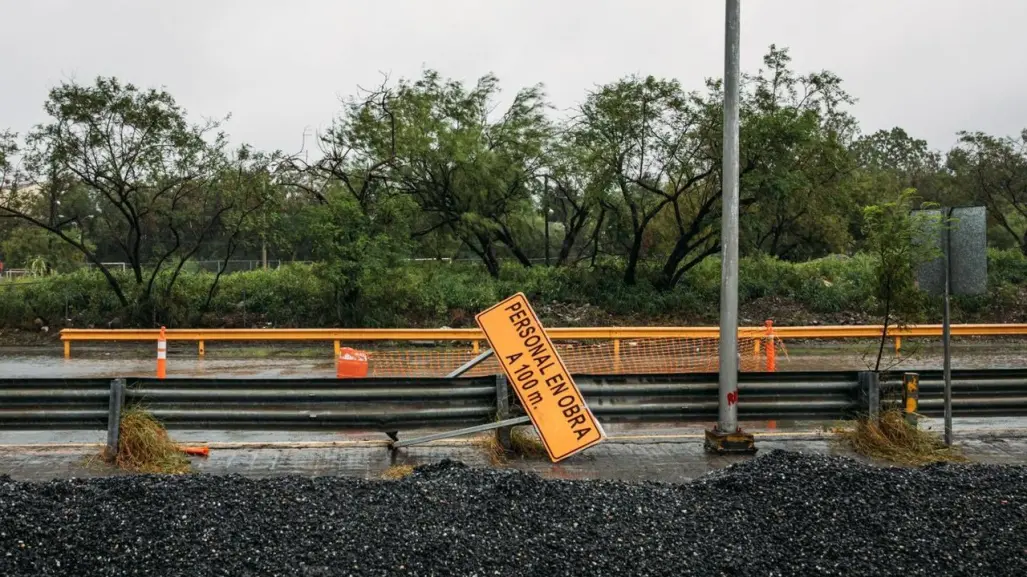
(145, 447)
(893, 439)
(524, 443)
(396, 472)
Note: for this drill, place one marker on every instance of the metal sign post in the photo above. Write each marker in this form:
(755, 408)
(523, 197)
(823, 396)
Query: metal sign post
(962, 268)
(946, 329)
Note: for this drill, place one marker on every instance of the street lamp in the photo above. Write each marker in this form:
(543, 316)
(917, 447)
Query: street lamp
(727, 437)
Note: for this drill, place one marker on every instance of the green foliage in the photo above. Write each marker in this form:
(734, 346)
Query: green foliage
(995, 171)
(899, 240)
(434, 294)
(26, 246)
(623, 195)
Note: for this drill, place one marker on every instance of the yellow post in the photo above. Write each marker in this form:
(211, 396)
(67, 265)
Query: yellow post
(910, 396)
(898, 346)
(475, 347)
(203, 350)
(67, 349)
(756, 348)
(338, 349)
(616, 355)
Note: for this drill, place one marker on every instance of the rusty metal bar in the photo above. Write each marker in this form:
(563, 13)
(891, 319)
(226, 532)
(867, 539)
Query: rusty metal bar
(461, 432)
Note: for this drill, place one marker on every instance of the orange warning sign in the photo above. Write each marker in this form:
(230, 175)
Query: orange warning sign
(545, 388)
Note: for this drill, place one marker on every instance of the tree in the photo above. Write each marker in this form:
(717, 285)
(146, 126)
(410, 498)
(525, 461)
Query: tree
(909, 160)
(8, 151)
(252, 195)
(124, 162)
(794, 146)
(995, 171)
(27, 244)
(648, 136)
(470, 172)
(899, 241)
(356, 252)
(574, 195)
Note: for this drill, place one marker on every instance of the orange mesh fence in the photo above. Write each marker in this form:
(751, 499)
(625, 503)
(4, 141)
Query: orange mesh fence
(637, 356)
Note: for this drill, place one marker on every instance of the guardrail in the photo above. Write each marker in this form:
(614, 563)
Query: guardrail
(476, 337)
(977, 393)
(390, 405)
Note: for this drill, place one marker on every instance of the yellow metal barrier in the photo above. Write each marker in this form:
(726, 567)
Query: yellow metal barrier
(475, 336)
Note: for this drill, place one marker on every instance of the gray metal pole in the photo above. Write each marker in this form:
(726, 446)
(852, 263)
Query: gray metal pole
(946, 330)
(727, 415)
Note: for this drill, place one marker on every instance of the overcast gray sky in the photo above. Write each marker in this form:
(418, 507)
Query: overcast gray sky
(932, 67)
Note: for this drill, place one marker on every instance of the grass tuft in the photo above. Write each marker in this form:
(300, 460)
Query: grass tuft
(895, 440)
(145, 447)
(396, 472)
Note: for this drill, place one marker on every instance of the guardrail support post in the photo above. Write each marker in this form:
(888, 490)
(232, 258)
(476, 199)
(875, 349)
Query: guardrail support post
(898, 346)
(870, 394)
(67, 349)
(117, 400)
(910, 396)
(503, 412)
(616, 355)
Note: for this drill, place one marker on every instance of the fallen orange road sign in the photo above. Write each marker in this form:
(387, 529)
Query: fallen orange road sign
(541, 380)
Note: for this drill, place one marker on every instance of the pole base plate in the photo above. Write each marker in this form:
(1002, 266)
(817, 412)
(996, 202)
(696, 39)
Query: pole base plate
(736, 443)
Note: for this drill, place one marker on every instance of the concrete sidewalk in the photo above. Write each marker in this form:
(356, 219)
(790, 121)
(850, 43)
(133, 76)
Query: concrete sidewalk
(666, 455)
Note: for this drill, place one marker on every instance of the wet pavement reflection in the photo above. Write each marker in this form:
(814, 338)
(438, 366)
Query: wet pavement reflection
(136, 361)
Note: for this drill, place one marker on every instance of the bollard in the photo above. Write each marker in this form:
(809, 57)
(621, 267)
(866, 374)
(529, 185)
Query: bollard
(910, 396)
(350, 364)
(503, 412)
(117, 400)
(771, 353)
(162, 354)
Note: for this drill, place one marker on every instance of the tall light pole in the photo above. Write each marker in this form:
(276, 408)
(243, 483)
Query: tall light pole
(727, 436)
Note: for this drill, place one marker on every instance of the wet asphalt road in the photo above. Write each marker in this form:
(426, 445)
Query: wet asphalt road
(99, 361)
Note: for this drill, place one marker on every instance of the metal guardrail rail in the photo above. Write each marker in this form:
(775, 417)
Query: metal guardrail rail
(977, 393)
(389, 405)
(475, 336)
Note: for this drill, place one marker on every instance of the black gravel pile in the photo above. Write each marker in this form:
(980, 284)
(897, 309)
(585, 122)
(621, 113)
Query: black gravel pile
(779, 514)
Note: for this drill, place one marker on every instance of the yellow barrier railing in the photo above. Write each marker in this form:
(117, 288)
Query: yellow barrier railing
(475, 336)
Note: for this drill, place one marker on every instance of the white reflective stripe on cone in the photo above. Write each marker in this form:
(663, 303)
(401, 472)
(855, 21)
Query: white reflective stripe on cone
(162, 355)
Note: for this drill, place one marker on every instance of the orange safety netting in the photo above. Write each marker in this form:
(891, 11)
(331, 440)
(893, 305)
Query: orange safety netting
(637, 356)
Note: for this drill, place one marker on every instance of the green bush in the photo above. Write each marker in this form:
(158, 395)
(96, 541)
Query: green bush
(432, 294)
